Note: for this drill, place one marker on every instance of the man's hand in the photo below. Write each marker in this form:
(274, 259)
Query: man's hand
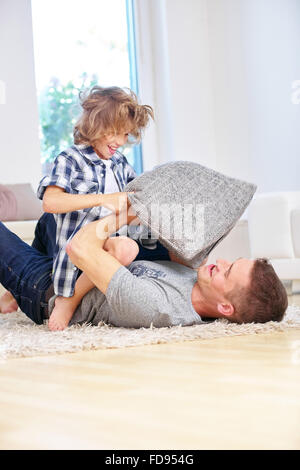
(115, 202)
(86, 249)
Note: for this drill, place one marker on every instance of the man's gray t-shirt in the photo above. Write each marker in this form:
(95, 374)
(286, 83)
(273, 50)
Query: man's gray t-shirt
(144, 293)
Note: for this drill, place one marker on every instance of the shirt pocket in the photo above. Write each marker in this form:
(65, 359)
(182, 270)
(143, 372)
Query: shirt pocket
(82, 184)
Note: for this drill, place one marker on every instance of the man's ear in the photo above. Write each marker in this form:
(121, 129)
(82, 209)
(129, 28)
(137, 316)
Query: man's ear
(226, 309)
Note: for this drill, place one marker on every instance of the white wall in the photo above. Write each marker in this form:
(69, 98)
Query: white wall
(218, 73)
(272, 49)
(20, 151)
(255, 58)
(190, 81)
(228, 67)
(154, 80)
(174, 72)
(230, 88)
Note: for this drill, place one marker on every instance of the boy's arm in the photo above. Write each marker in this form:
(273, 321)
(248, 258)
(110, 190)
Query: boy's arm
(57, 201)
(58, 198)
(87, 253)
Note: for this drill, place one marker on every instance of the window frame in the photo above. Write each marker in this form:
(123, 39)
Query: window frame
(133, 70)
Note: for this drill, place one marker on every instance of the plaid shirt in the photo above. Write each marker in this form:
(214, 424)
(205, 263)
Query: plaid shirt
(78, 170)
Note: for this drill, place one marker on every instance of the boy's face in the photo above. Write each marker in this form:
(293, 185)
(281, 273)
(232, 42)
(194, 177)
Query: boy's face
(107, 145)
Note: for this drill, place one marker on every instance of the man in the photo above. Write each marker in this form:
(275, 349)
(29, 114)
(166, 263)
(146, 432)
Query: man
(166, 293)
(161, 293)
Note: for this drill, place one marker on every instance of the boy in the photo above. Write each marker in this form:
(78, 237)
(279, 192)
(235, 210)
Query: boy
(85, 181)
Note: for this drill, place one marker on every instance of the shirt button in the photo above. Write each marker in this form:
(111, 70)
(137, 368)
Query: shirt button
(74, 268)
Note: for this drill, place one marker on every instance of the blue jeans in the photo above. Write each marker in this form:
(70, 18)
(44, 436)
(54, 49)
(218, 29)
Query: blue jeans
(26, 271)
(45, 235)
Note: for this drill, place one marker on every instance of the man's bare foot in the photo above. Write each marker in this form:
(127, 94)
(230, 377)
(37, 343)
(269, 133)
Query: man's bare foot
(61, 314)
(8, 304)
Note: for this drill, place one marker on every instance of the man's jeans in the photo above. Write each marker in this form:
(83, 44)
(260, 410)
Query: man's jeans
(45, 235)
(26, 271)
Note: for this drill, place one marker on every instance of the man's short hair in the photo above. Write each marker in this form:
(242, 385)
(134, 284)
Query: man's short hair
(265, 299)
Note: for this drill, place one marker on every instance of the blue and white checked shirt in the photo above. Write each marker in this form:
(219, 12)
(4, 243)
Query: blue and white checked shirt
(79, 170)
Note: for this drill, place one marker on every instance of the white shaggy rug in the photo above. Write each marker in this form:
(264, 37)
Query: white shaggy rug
(20, 337)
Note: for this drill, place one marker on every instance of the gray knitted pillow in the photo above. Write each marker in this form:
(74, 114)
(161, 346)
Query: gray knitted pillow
(189, 207)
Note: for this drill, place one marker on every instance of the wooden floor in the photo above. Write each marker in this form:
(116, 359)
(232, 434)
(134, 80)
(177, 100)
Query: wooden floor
(228, 393)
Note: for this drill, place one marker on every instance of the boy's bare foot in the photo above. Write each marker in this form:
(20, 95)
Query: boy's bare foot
(61, 314)
(8, 304)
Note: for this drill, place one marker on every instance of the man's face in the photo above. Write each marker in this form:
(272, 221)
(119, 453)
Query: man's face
(216, 280)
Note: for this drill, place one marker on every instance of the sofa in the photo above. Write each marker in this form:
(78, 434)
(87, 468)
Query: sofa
(274, 233)
(24, 229)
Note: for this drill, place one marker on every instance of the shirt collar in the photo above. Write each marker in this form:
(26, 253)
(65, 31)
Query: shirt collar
(89, 153)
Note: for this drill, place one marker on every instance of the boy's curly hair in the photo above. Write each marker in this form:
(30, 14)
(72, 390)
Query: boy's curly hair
(110, 110)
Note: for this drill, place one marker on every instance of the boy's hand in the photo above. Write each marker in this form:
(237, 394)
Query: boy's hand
(115, 202)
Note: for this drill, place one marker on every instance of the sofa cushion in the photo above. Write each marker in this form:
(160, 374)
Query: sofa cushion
(8, 204)
(270, 225)
(23, 228)
(295, 228)
(188, 207)
(19, 202)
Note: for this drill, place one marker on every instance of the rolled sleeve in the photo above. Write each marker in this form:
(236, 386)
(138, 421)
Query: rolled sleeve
(53, 180)
(60, 175)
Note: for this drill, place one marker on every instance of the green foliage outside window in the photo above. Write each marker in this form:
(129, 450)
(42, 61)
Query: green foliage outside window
(59, 109)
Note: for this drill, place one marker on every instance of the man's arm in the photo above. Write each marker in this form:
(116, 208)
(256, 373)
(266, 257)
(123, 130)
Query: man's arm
(86, 249)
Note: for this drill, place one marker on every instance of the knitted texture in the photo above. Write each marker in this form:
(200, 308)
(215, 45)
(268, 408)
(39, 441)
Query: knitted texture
(190, 208)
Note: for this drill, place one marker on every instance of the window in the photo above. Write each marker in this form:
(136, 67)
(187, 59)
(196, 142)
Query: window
(77, 45)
